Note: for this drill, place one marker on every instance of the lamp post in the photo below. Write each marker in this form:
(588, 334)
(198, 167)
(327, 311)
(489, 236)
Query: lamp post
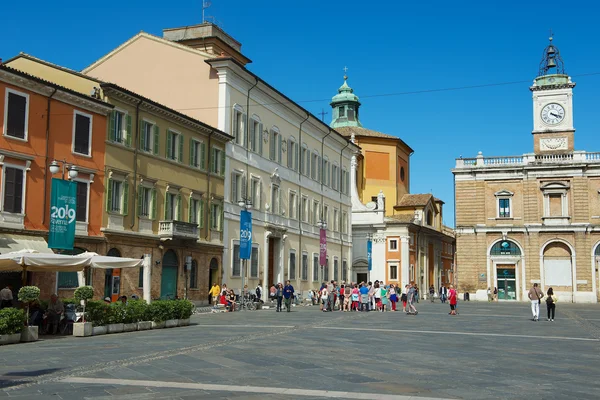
(54, 168)
(322, 224)
(245, 238)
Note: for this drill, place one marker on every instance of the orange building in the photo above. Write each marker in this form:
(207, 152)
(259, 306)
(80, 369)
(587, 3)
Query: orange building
(43, 122)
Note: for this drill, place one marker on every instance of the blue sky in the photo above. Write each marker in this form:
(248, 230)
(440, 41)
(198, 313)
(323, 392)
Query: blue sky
(390, 47)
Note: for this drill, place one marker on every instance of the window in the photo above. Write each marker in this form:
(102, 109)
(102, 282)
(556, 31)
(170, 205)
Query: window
(344, 183)
(146, 202)
(305, 161)
(82, 201)
(236, 266)
(117, 196)
(238, 187)
(292, 206)
(13, 190)
(275, 146)
(394, 272)
(292, 154)
(393, 245)
(237, 125)
(254, 262)
(120, 128)
(275, 199)
(334, 177)
(505, 248)
(304, 272)
(326, 270)
(255, 139)
(314, 167)
(82, 133)
(16, 114)
(292, 265)
(504, 208)
(196, 212)
(216, 216)
(172, 207)
(326, 215)
(217, 165)
(315, 267)
(336, 220)
(335, 269)
(350, 113)
(174, 146)
(402, 174)
(67, 280)
(255, 189)
(305, 210)
(326, 172)
(345, 271)
(194, 275)
(429, 217)
(149, 137)
(197, 154)
(341, 112)
(140, 278)
(555, 208)
(316, 212)
(344, 222)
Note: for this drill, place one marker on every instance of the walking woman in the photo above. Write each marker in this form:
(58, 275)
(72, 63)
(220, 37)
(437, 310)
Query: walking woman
(404, 298)
(551, 300)
(393, 297)
(453, 299)
(279, 296)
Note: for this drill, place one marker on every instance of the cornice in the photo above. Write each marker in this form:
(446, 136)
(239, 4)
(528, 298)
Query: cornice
(81, 102)
(26, 83)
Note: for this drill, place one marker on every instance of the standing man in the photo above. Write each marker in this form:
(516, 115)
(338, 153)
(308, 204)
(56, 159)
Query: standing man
(6, 297)
(331, 296)
(364, 297)
(214, 292)
(535, 294)
(288, 294)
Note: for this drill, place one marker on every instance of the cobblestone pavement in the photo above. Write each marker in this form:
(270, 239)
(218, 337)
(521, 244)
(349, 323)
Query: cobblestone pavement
(488, 351)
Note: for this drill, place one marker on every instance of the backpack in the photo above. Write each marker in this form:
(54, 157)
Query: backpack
(549, 300)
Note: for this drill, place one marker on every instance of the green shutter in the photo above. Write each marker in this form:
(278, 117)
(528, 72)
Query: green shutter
(260, 139)
(125, 210)
(279, 148)
(201, 214)
(213, 160)
(220, 210)
(169, 143)
(140, 200)
(179, 207)
(251, 136)
(222, 163)
(153, 194)
(190, 210)
(111, 128)
(181, 139)
(202, 155)
(167, 203)
(142, 143)
(109, 196)
(128, 133)
(191, 151)
(156, 139)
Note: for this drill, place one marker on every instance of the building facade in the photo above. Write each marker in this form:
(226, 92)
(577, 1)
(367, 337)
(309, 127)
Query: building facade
(163, 191)
(284, 163)
(532, 218)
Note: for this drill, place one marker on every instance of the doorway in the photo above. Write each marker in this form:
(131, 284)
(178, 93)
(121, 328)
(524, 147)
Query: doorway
(362, 277)
(213, 275)
(168, 280)
(112, 279)
(507, 281)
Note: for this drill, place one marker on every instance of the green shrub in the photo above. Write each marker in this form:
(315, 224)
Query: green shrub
(97, 313)
(136, 311)
(116, 314)
(183, 309)
(11, 321)
(161, 310)
(27, 294)
(83, 293)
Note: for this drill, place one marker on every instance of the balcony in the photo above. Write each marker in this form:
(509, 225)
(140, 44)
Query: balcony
(177, 230)
(576, 157)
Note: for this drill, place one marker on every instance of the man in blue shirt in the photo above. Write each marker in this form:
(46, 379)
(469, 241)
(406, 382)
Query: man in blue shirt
(364, 297)
(288, 295)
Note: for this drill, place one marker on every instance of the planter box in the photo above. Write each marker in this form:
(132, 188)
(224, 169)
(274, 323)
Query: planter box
(29, 334)
(184, 322)
(171, 323)
(158, 325)
(82, 329)
(99, 330)
(115, 328)
(10, 339)
(144, 325)
(130, 327)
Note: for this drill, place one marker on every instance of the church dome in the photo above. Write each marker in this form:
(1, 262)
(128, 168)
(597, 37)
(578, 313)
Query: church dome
(345, 94)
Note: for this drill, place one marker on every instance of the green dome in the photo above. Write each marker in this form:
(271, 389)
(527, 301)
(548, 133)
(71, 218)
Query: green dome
(345, 94)
(345, 107)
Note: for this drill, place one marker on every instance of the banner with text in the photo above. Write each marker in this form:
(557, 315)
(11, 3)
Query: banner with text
(323, 247)
(370, 254)
(63, 210)
(245, 235)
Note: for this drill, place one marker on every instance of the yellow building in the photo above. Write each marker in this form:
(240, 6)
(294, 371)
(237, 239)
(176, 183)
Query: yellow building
(164, 190)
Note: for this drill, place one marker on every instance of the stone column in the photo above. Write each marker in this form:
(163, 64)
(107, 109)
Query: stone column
(81, 278)
(405, 260)
(265, 283)
(147, 277)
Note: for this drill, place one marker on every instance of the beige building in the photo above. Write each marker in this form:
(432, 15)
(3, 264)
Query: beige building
(532, 218)
(289, 166)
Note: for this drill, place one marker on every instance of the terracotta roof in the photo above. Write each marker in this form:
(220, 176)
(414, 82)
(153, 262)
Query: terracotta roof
(358, 132)
(414, 200)
(405, 218)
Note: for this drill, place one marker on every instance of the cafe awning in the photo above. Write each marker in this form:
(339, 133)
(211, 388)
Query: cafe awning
(10, 243)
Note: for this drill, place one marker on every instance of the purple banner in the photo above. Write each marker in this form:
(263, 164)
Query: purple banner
(323, 247)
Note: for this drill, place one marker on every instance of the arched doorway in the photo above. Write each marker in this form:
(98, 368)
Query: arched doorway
(506, 258)
(112, 278)
(168, 280)
(213, 274)
(558, 269)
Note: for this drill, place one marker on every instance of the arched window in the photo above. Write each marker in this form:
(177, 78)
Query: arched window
(114, 253)
(194, 275)
(598, 250)
(505, 248)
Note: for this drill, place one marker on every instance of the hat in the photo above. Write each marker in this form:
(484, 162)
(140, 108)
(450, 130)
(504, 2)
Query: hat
(107, 299)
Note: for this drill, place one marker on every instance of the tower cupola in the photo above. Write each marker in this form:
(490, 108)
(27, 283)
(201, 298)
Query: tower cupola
(345, 107)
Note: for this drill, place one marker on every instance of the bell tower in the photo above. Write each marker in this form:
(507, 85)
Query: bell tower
(344, 106)
(553, 130)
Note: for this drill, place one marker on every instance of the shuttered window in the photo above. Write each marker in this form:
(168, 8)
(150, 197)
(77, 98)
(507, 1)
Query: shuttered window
(82, 202)
(254, 263)
(16, 115)
(83, 134)
(292, 265)
(13, 190)
(236, 267)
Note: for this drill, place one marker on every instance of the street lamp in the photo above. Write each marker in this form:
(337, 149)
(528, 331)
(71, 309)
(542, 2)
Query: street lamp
(245, 238)
(54, 168)
(322, 224)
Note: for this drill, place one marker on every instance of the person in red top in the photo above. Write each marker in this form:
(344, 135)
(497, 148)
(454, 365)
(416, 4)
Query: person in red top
(452, 299)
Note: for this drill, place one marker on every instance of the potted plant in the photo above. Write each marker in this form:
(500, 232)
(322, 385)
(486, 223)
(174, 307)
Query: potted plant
(159, 313)
(83, 294)
(185, 309)
(11, 325)
(141, 311)
(116, 317)
(27, 295)
(130, 317)
(172, 318)
(97, 314)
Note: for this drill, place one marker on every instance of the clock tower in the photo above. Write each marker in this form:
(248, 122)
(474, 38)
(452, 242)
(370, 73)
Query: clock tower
(553, 130)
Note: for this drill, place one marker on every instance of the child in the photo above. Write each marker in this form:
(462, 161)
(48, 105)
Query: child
(355, 297)
(384, 298)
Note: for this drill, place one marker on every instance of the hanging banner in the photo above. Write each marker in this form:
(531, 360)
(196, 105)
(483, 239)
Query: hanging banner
(63, 210)
(370, 254)
(245, 235)
(323, 247)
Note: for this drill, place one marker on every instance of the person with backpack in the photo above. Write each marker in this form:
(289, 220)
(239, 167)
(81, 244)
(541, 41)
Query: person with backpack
(551, 300)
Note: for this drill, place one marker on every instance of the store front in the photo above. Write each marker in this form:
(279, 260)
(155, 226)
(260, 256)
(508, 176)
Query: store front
(506, 263)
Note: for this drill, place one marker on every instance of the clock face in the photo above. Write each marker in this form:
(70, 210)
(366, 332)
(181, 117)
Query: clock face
(553, 113)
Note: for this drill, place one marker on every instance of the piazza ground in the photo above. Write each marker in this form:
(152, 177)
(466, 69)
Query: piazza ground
(489, 351)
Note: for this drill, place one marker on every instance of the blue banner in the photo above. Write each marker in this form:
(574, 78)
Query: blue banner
(245, 235)
(370, 254)
(63, 210)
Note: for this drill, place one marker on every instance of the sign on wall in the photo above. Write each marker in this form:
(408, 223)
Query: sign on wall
(245, 235)
(370, 254)
(63, 210)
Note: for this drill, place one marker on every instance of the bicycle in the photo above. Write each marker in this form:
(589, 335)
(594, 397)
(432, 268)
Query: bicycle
(247, 303)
